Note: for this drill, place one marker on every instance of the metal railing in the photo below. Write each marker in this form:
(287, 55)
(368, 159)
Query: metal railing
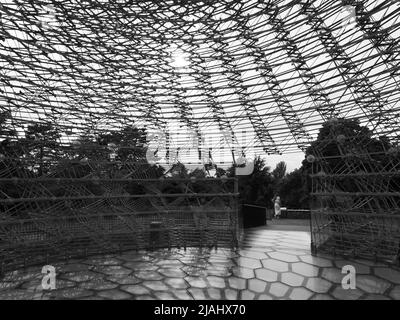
(182, 218)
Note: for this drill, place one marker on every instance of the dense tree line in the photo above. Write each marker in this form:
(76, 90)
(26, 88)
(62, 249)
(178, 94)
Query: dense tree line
(37, 151)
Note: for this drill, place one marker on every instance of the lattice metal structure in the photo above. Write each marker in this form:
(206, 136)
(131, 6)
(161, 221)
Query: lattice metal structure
(85, 85)
(356, 190)
(88, 208)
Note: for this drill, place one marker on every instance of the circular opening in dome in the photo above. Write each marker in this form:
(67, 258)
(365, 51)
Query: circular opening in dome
(180, 59)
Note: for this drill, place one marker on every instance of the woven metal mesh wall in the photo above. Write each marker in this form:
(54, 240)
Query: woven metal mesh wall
(85, 84)
(197, 212)
(356, 193)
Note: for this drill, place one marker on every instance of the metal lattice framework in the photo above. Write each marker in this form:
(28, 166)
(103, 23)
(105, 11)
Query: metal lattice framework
(356, 189)
(78, 78)
(266, 72)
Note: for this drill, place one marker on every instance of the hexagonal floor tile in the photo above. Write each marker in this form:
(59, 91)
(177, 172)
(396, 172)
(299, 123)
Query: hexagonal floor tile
(145, 297)
(216, 282)
(197, 294)
(300, 294)
(248, 262)
(93, 298)
(275, 265)
(176, 283)
(219, 270)
(266, 275)
(121, 279)
(174, 263)
(247, 295)
(231, 294)
(278, 289)
(140, 265)
(256, 285)
(285, 257)
(195, 271)
(182, 294)
(164, 295)
(395, 293)
(283, 271)
(252, 254)
(214, 293)
(171, 272)
(156, 285)
(371, 284)
(305, 269)
(114, 270)
(197, 282)
(388, 274)
(98, 284)
(376, 297)
(333, 275)
(18, 294)
(321, 296)
(70, 293)
(114, 294)
(148, 275)
(318, 285)
(292, 279)
(265, 297)
(135, 289)
(245, 273)
(316, 261)
(237, 283)
(80, 276)
(349, 294)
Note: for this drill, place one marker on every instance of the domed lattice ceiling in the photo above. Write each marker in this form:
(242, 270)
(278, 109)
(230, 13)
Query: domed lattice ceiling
(266, 74)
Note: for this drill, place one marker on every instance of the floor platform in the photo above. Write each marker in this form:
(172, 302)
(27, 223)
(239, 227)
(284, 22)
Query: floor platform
(273, 263)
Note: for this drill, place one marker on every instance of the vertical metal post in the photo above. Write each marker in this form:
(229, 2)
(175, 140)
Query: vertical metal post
(236, 212)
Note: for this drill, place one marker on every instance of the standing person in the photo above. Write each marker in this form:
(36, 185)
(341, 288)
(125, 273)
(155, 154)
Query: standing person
(277, 207)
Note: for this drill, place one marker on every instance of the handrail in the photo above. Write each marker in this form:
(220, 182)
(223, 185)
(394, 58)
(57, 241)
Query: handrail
(253, 205)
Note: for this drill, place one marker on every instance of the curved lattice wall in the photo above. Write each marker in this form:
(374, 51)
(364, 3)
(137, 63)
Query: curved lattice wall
(263, 73)
(87, 88)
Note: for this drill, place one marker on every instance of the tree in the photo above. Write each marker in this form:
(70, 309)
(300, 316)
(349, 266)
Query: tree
(108, 155)
(10, 148)
(128, 144)
(6, 128)
(278, 175)
(255, 188)
(11, 165)
(280, 170)
(293, 190)
(42, 144)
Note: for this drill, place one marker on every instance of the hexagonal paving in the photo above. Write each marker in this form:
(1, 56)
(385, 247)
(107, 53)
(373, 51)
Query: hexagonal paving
(273, 264)
(266, 275)
(279, 289)
(292, 279)
(305, 269)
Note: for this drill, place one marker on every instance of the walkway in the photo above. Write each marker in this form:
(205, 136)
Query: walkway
(273, 264)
